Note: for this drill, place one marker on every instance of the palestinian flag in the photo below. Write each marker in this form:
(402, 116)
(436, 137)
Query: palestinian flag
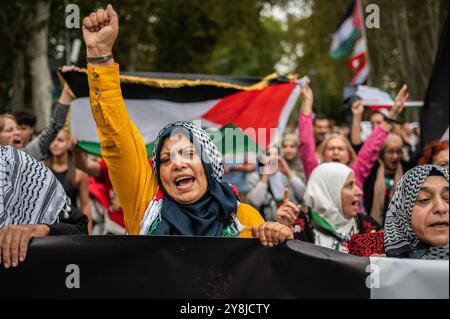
(359, 63)
(241, 114)
(348, 32)
(375, 98)
(434, 117)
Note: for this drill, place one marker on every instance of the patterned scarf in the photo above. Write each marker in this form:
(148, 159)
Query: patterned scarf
(399, 237)
(213, 215)
(29, 192)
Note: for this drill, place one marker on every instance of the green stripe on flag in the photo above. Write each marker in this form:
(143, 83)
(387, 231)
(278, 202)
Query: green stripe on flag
(94, 148)
(229, 139)
(346, 46)
(233, 141)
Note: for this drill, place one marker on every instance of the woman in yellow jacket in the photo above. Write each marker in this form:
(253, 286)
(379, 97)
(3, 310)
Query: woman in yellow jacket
(183, 194)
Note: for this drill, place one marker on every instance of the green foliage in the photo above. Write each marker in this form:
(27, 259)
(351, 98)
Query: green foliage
(401, 51)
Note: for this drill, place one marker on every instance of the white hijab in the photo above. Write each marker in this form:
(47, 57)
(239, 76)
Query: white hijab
(323, 196)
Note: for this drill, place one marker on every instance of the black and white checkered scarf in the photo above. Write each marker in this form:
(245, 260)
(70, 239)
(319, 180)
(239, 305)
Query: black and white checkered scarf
(29, 192)
(399, 237)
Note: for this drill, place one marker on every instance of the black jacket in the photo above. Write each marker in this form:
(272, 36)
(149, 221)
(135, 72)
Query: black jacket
(76, 224)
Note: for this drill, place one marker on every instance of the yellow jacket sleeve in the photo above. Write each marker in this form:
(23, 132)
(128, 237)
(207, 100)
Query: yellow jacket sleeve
(123, 148)
(248, 217)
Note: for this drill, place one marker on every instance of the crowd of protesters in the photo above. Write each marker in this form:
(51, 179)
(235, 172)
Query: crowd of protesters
(318, 185)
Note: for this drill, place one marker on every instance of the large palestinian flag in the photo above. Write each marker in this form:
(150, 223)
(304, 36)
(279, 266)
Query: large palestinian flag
(242, 114)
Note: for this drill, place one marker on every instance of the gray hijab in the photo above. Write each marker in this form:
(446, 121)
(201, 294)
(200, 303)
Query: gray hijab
(400, 239)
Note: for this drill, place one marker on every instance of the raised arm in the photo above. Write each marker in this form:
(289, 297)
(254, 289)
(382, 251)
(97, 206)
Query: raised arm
(369, 152)
(123, 148)
(38, 148)
(90, 167)
(358, 111)
(307, 148)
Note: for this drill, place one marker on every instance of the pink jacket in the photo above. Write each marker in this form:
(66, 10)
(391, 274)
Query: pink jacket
(361, 166)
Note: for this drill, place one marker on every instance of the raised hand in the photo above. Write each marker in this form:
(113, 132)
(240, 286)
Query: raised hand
(65, 98)
(358, 108)
(307, 93)
(308, 99)
(284, 167)
(288, 212)
(399, 105)
(100, 31)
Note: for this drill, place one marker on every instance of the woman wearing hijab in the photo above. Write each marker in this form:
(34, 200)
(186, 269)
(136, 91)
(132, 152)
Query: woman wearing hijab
(332, 198)
(289, 151)
(183, 193)
(417, 219)
(32, 204)
(421, 203)
(380, 184)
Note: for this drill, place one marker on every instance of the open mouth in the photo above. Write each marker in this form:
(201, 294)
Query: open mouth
(336, 160)
(355, 204)
(184, 182)
(17, 142)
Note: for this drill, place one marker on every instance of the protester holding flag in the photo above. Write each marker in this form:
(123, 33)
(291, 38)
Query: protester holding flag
(417, 220)
(337, 148)
(332, 199)
(183, 194)
(38, 148)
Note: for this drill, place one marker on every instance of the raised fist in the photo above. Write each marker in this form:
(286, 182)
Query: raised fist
(358, 108)
(100, 31)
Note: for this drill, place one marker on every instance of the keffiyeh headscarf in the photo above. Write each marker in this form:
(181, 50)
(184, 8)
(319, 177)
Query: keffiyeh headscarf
(215, 213)
(29, 192)
(399, 237)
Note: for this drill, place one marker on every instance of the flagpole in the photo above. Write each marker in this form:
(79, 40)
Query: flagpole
(364, 34)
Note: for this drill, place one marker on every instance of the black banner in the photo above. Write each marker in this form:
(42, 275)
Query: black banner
(180, 268)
